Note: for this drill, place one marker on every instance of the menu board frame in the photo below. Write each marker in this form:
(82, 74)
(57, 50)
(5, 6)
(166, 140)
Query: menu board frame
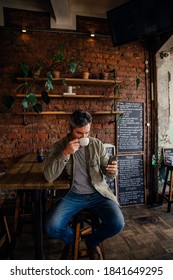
(167, 153)
(131, 182)
(130, 127)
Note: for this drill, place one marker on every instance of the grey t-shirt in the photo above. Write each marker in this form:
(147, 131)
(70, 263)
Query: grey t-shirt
(82, 183)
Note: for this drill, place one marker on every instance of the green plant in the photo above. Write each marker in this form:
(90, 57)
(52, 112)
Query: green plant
(36, 71)
(117, 89)
(37, 66)
(26, 88)
(25, 69)
(59, 61)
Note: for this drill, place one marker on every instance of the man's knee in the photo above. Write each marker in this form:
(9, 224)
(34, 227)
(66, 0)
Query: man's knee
(117, 225)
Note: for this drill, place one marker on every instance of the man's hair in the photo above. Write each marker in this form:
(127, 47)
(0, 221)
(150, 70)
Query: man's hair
(80, 118)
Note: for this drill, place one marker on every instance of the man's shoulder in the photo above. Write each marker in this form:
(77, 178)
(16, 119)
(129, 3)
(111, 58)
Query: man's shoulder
(96, 141)
(61, 141)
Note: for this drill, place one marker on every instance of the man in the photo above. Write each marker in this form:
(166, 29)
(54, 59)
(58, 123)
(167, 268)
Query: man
(86, 168)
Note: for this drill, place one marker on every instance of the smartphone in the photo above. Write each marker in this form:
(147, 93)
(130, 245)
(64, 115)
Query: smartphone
(112, 158)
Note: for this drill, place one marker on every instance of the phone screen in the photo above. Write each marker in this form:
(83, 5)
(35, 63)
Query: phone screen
(111, 159)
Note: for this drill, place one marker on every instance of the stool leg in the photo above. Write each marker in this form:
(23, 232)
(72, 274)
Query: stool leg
(85, 225)
(76, 245)
(16, 213)
(7, 237)
(7, 229)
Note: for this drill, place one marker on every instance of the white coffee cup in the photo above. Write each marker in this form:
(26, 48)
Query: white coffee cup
(70, 89)
(83, 141)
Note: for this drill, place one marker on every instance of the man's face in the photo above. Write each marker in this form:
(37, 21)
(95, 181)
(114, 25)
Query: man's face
(80, 132)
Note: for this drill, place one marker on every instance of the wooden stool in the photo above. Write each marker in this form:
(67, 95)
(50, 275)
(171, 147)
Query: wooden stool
(5, 237)
(85, 224)
(168, 197)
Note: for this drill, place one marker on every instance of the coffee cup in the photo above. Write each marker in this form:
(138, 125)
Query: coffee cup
(83, 141)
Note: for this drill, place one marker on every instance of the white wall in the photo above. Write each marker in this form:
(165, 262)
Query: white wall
(164, 105)
(165, 96)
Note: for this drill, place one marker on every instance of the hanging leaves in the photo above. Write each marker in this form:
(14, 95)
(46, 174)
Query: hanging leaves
(37, 108)
(25, 104)
(25, 69)
(138, 80)
(45, 97)
(48, 83)
(72, 66)
(31, 98)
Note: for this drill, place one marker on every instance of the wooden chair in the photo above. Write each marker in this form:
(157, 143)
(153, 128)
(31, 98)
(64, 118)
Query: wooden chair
(5, 237)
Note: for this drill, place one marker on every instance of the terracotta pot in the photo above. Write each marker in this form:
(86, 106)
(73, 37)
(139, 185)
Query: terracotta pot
(56, 74)
(36, 73)
(105, 75)
(85, 75)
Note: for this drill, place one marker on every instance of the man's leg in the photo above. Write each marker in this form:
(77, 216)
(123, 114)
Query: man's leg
(58, 222)
(112, 220)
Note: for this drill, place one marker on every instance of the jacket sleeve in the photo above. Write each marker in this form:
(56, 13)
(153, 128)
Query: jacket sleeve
(55, 162)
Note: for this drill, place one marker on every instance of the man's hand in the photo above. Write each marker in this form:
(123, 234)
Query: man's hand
(113, 168)
(72, 147)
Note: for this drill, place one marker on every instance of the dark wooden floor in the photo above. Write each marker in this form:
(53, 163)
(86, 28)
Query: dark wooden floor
(148, 234)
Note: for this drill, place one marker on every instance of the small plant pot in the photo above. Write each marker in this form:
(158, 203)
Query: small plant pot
(36, 73)
(85, 75)
(56, 74)
(105, 75)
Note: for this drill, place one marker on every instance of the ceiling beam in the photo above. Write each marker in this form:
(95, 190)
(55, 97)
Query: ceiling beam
(61, 9)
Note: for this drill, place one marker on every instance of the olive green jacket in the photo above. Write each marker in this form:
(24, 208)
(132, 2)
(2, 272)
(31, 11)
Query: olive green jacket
(96, 158)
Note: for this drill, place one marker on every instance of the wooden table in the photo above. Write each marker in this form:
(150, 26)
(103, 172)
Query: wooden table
(27, 174)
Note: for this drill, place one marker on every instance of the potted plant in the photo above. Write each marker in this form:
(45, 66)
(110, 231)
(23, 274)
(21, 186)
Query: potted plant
(57, 62)
(85, 73)
(60, 64)
(37, 70)
(26, 88)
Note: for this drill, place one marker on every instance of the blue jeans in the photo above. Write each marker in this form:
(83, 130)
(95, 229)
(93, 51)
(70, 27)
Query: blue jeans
(58, 222)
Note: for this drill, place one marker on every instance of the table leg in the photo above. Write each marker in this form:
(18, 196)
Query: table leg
(38, 224)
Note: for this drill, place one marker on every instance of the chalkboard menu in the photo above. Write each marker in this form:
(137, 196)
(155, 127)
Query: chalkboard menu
(168, 156)
(131, 180)
(131, 127)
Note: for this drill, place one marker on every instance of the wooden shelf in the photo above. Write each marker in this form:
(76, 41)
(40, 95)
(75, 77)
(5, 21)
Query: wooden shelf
(87, 96)
(72, 81)
(69, 113)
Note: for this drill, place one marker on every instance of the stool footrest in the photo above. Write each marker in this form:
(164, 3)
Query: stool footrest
(84, 224)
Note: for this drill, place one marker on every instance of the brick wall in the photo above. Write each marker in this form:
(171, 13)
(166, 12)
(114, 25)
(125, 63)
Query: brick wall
(20, 135)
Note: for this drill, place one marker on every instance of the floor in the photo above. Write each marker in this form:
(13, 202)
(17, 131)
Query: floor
(148, 234)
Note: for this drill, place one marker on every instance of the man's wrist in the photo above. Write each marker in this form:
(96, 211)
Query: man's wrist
(66, 154)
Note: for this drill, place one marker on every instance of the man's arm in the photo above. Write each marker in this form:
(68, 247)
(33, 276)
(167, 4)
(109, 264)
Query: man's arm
(55, 162)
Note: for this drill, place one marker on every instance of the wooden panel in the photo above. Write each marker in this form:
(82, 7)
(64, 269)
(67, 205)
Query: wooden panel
(92, 24)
